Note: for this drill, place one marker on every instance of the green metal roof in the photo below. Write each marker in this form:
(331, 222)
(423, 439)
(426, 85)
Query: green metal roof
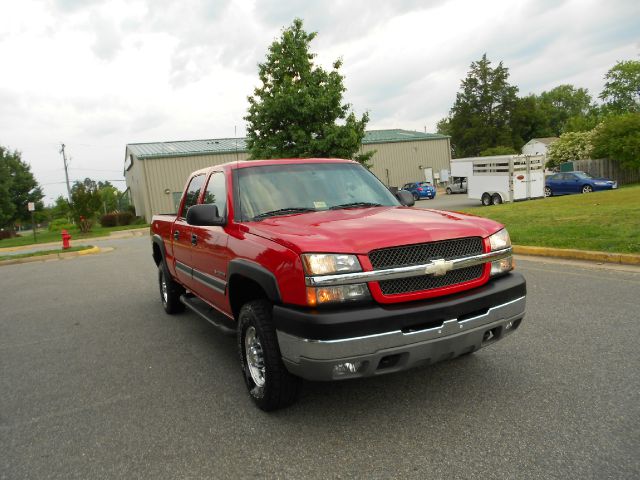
(185, 148)
(398, 135)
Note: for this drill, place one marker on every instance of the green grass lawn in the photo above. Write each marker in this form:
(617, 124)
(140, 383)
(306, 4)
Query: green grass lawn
(44, 252)
(602, 221)
(46, 236)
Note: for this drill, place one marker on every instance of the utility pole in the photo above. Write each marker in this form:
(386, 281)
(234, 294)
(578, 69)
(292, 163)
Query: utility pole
(66, 171)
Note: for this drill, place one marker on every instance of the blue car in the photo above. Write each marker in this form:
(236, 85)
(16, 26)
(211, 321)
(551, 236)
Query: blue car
(575, 182)
(420, 190)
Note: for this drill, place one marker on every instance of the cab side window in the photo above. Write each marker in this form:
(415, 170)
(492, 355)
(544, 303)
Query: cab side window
(193, 192)
(216, 192)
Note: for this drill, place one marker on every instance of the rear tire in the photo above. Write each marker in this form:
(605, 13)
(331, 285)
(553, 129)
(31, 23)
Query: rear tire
(587, 189)
(548, 192)
(496, 199)
(485, 199)
(170, 292)
(270, 384)
(416, 197)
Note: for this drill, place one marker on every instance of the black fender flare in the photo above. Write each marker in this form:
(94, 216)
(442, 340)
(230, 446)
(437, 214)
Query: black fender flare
(257, 273)
(157, 240)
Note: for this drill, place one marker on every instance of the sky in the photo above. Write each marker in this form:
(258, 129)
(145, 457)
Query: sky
(99, 74)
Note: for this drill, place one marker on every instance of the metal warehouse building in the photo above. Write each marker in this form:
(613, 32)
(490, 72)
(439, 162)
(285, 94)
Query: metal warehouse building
(156, 172)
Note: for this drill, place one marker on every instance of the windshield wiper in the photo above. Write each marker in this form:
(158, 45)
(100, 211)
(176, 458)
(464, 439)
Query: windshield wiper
(284, 211)
(355, 205)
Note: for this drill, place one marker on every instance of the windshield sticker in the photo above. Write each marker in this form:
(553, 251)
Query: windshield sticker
(320, 204)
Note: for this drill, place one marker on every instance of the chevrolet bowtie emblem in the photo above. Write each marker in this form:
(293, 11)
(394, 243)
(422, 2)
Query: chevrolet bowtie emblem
(438, 268)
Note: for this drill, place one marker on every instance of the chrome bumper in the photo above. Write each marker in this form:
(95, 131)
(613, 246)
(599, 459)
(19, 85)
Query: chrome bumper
(397, 350)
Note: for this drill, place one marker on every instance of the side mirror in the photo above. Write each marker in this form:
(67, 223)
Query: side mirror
(405, 198)
(205, 215)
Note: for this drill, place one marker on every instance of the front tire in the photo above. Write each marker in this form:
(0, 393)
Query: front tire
(270, 384)
(170, 292)
(449, 191)
(548, 192)
(587, 189)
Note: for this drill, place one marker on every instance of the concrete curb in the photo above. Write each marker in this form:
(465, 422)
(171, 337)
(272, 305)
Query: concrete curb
(623, 258)
(56, 256)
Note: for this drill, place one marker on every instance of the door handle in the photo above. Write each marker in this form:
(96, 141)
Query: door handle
(194, 239)
(176, 234)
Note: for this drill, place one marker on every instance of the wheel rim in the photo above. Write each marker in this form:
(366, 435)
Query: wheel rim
(586, 189)
(254, 356)
(164, 291)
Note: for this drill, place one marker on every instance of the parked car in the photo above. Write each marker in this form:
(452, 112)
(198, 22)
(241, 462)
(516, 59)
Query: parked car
(565, 183)
(420, 190)
(457, 185)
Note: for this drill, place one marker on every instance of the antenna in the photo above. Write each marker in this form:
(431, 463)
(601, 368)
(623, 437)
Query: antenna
(235, 135)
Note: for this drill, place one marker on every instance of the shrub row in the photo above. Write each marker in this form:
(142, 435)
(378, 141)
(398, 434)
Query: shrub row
(116, 219)
(7, 234)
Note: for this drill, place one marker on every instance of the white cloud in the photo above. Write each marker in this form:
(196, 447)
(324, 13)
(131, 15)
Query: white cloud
(98, 74)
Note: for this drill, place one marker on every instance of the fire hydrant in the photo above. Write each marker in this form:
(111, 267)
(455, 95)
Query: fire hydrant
(65, 239)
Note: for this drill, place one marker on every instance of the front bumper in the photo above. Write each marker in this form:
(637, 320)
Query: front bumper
(422, 333)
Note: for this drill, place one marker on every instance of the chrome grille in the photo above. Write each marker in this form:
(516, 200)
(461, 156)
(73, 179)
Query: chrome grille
(423, 253)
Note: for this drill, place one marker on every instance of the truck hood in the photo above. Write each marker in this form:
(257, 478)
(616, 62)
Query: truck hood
(361, 230)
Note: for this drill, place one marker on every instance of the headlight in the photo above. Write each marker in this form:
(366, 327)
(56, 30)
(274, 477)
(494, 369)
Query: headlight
(500, 240)
(329, 263)
(338, 294)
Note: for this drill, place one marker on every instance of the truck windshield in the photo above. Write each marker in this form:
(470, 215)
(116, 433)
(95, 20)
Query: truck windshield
(286, 189)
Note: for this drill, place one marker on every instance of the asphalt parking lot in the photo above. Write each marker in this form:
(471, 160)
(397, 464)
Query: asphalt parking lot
(442, 201)
(97, 382)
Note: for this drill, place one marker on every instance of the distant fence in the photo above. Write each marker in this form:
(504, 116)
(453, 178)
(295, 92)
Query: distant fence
(607, 168)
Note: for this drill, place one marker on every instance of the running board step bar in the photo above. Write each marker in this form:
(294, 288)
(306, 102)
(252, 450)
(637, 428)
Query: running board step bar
(210, 314)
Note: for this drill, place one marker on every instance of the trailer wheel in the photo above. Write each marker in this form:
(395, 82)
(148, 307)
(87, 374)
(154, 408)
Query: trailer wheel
(496, 199)
(485, 199)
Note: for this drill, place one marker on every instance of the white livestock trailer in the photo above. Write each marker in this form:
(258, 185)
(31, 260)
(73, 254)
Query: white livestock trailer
(501, 178)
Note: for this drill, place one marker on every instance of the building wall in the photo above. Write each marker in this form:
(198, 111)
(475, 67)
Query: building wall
(534, 148)
(170, 175)
(401, 162)
(155, 183)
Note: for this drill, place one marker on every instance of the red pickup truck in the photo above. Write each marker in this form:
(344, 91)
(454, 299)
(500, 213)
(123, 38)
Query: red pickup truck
(323, 274)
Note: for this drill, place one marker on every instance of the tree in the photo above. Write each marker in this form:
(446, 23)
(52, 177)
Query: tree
(499, 150)
(18, 187)
(621, 92)
(85, 203)
(618, 138)
(570, 146)
(296, 109)
(481, 115)
(563, 103)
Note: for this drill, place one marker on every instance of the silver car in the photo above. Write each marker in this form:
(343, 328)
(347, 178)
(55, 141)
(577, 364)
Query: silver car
(457, 185)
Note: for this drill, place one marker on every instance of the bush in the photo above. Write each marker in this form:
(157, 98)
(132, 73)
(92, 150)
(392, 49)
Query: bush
(60, 224)
(7, 234)
(109, 220)
(116, 219)
(125, 218)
